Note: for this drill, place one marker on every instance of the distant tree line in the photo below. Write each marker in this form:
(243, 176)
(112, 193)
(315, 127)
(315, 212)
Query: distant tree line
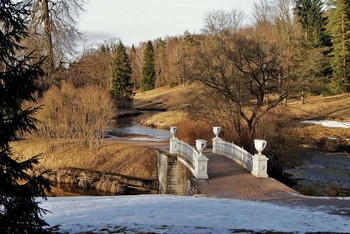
(291, 47)
(309, 26)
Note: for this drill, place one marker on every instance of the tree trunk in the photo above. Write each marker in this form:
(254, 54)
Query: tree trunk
(48, 39)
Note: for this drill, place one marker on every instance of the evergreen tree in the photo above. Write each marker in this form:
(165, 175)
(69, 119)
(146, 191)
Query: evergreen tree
(160, 62)
(313, 21)
(121, 85)
(148, 78)
(19, 211)
(135, 67)
(339, 30)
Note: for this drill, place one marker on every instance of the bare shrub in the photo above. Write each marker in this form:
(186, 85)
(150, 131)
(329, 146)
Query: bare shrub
(81, 114)
(191, 130)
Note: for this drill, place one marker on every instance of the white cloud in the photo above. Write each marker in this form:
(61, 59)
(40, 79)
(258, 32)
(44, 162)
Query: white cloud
(138, 20)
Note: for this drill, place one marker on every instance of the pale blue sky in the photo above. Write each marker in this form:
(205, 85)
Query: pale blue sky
(134, 21)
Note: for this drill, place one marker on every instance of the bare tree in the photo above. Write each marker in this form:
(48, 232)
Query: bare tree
(53, 22)
(220, 21)
(243, 68)
(263, 12)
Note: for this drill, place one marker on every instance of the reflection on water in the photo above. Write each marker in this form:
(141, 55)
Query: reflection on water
(130, 126)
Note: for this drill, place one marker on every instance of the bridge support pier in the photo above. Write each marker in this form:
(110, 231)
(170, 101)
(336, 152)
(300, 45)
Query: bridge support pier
(260, 166)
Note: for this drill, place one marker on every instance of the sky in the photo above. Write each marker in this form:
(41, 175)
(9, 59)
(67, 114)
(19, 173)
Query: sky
(176, 214)
(134, 21)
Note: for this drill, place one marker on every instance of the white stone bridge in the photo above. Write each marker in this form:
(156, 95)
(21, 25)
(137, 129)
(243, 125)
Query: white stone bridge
(197, 162)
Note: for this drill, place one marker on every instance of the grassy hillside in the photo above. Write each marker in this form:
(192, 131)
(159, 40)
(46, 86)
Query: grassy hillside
(165, 97)
(282, 120)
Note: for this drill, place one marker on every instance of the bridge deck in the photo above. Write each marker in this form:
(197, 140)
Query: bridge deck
(227, 179)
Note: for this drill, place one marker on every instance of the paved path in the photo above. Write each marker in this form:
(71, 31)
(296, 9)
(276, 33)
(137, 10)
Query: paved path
(227, 179)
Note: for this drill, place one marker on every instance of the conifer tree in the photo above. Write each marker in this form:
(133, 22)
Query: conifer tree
(148, 78)
(339, 30)
(19, 211)
(121, 85)
(135, 67)
(313, 21)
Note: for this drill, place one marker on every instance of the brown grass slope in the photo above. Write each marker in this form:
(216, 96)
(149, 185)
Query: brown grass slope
(110, 158)
(286, 117)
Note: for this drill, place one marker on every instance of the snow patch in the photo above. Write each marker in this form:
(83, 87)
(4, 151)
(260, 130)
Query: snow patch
(175, 214)
(328, 123)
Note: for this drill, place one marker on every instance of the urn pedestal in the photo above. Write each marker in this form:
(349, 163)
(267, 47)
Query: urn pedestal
(173, 140)
(260, 166)
(201, 162)
(260, 160)
(216, 140)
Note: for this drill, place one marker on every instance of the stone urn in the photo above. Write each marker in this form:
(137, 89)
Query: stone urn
(201, 145)
(260, 145)
(173, 131)
(217, 131)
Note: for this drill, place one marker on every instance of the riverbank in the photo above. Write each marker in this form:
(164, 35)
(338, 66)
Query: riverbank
(114, 167)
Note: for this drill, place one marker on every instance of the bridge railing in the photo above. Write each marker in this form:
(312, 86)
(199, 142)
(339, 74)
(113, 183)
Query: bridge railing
(256, 164)
(191, 157)
(234, 152)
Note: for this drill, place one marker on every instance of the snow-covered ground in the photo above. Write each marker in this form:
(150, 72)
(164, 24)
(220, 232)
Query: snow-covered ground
(328, 123)
(175, 214)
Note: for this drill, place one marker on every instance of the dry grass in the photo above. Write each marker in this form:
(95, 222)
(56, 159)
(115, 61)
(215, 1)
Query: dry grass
(281, 121)
(110, 158)
(165, 97)
(165, 119)
(319, 107)
(316, 108)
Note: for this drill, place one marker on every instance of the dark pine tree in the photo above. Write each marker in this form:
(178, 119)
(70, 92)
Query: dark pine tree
(121, 85)
(339, 30)
(148, 78)
(19, 187)
(311, 15)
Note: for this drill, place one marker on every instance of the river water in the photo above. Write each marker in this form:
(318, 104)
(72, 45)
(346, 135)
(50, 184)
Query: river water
(323, 174)
(131, 127)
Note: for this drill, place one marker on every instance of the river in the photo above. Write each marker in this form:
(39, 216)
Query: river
(323, 174)
(131, 127)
